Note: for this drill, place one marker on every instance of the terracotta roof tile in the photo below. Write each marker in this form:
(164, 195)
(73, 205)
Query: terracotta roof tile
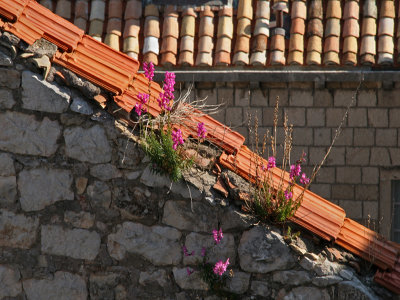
(206, 44)
(226, 11)
(351, 28)
(299, 10)
(350, 58)
(225, 27)
(370, 9)
(295, 57)
(151, 45)
(331, 44)
(186, 58)
(206, 12)
(315, 27)
(258, 58)
(150, 57)
(368, 45)
(296, 42)
(63, 9)
(368, 26)
(245, 9)
(315, 44)
(204, 59)
(222, 58)
(278, 58)
(241, 58)
(188, 26)
(386, 27)
(313, 58)
(387, 9)
(96, 28)
(151, 10)
(351, 10)
(281, 5)
(115, 9)
(242, 44)
(385, 44)
(206, 26)
(169, 44)
(244, 27)
(332, 27)
(262, 27)
(263, 10)
(132, 28)
(82, 9)
(114, 26)
(97, 10)
(168, 59)
(170, 11)
(131, 44)
(334, 9)
(315, 9)
(224, 44)
(187, 43)
(112, 40)
(81, 23)
(259, 43)
(170, 27)
(278, 42)
(189, 11)
(350, 44)
(298, 26)
(133, 9)
(331, 58)
(152, 27)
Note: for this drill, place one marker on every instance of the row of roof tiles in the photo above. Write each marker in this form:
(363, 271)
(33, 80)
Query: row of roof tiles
(257, 33)
(117, 73)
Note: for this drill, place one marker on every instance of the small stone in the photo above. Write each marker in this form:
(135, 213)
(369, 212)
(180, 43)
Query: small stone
(8, 189)
(346, 274)
(291, 277)
(102, 284)
(327, 268)
(40, 95)
(81, 106)
(42, 261)
(81, 219)
(133, 175)
(158, 277)
(160, 245)
(312, 256)
(179, 215)
(75, 243)
(100, 194)
(189, 282)
(307, 264)
(105, 172)
(324, 281)
(232, 219)
(10, 286)
(87, 145)
(260, 288)
(64, 286)
(262, 251)
(120, 293)
(354, 290)
(309, 293)
(5, 60)
(6, 99)
(80, 184)
(17, 231)
(239, 283)
(42, 187)
(297, 249)
(10, 78)
(6, 164)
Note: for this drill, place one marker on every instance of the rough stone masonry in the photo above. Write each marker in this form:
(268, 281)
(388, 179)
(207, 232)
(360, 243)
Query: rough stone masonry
(82, 216)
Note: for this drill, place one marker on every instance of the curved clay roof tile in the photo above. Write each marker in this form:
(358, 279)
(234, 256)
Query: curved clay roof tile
(263, 10)
(334, 9)
(115, 9)
(351, 10)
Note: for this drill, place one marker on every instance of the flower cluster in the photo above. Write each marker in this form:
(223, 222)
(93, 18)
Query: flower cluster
(295, 171)
(167, 95)
(218, 235)
(177, 138)
(201, 130)
(148, 70)
(143, 98)
(271, 163)
(220, 267)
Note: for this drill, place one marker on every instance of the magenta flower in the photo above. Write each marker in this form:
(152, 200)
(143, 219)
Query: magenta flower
(143, 98)
(304, 179)
(186, 253)
(201, 130)
(203, 251)
(218, 235)
(220, 267)
(167, 95)
(263, 168)
(148, 70)
(288, 195)
(188, 271)
(295, 171)
(271, 163)
(177, 138)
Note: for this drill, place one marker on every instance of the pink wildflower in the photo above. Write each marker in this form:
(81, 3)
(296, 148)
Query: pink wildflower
(271, 163)
(304, 179)
(188, 271)
(148, 70)
(168, 92)
(201, 130)
(288, 195)
(203, 251)
(186, 253)
(295, 171)
(177, 138)
(218, 235)
(143, 98)
(220, 267)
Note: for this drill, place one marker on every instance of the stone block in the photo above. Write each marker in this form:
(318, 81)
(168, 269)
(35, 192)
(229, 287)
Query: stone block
(345, 137)
(350, 84)
(370, 175)
(296, 116)
(268, 116)
(302, 136)
(354, 290)
(301, 85)
(234, 116)
(291, 277)
(353, 208)
(282, 94)
(378, 117)
(386, 137)
(322, 136)
(333, 85)
(348, 175)
(372, 84)
(395, 156)
(394, 117)
(251, 114)
(210, 96)
(307, 293)
(87, 144)
(301, 98)
(316, 154)
(321, 189)
(10, 284)
(336, 157)
(81, 106)
(343, 192)
(342, 97)
(357, 117)
(6, 165)
(6, 99)
(367, 192)
(10, 78)
(192, 282)
(42, 187)
(364, 136)
(367, 98)
(205, 85)
(220, 115)
(326, 175)
(358, 156)
(242, 97)
(259, 98)
(380, 157)
(16, 125)
(334, 117)
(323, 98)
(225, 96)
(315, 117)
(158, 244)
(40, 95)
(388, 98)
(370, 211)
(260, 288)
(8, 190)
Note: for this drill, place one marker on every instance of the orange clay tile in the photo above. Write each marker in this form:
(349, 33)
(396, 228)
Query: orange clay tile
(331, 44)
(244, 27)
(245, 9)
(152, 27)
(151, 10)
(350, 58)
(278, 42)
(133, 9)
(206, 26)
(112, 40)
(170, 27)
(187, 43)
(351, 10)
(313, 58)
(25, 30)
(224, 44)
(168, 59)
(204, 59)
(189, 11)
(169, 44)
(13, 9)
(334, 9)
(81, 23)
(314, 44)
(331, 58)
(351, 28)
(225, 27)
(100, 64)
(350, 44)
(150, 57)
(262, 27)
(299, 10)
(131, 44)
(263, 10)
(390, 279)
(206, 44)
(315, 9)
(258, 58)
(63, 9)
(242, 44)
(387, 9)
(315, 27)
(296, 42)
(295, 57)
(222, 58)
(225, 11)
(96, 28)
(82, 9)
(114, 26)
(115, 9)
(298, 26)
(206, 12)
(241, 58)
(370, 9)
(186, 58)
(385, 44)
(132, 28)
(368, 26)
(188, 26)
(386, 27)
(367, 244)
(368, 45)
(332, 28)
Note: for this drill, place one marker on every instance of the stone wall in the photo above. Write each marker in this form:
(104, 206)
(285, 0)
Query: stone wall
(368, 145)
(82, 216)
